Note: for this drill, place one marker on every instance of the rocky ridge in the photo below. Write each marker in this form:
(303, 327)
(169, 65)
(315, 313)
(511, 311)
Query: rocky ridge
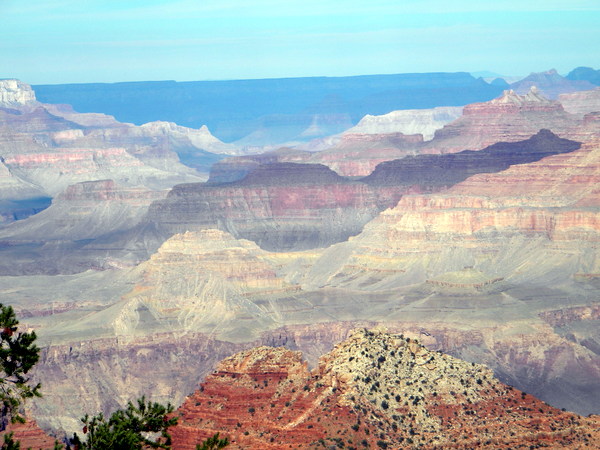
(82, 229)
(551, 84)
(375, 389)
(508, 118)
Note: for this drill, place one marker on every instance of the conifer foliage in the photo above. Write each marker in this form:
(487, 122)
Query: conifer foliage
(18, 354)
(137, 426)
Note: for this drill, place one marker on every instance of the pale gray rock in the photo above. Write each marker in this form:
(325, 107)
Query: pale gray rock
(15, 93)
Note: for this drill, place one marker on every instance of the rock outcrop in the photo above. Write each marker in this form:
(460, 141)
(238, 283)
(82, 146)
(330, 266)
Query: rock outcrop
(30, 435)
(15, 93)
(51, 147)
(207, 281)
(408, 121)
(509, 118)
(531, 231)
(375, 389)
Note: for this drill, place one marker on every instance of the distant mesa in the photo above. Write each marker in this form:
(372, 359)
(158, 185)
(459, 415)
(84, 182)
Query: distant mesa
(585, 74)
(551, 84)
(271, 111)
(500, 82)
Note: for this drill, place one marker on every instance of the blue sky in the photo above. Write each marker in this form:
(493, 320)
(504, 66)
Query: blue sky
(67, 41)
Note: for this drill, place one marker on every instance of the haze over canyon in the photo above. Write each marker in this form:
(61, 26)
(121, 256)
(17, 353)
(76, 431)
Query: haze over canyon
(149, 230)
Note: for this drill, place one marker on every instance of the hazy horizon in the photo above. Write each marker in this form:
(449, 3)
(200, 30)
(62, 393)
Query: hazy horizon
(85, 42)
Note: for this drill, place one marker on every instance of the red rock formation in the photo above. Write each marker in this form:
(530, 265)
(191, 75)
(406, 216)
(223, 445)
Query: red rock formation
(29, 435)
(509, 118)
(373, 390)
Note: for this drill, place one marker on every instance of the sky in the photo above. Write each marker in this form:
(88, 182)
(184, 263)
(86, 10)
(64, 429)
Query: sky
(68, 41)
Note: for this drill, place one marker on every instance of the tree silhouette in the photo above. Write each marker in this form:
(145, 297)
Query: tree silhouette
(18, 354)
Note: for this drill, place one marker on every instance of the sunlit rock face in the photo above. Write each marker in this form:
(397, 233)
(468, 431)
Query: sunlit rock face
(29, 435)
(208, 281)
(550, 205)
(410, 121)
(375, 389)
(52, 146)
(357, 154)
(52, 152)
(15, 93)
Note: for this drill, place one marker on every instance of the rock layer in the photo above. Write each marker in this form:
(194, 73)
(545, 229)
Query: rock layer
(408, 121)
(284, 206)
(509, 118)
(374, 389)
(279, 206)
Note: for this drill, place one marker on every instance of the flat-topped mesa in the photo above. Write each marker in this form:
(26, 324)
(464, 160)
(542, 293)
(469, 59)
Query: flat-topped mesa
(375, 389)
(285, 174)
(511, 102)
(15, 93)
